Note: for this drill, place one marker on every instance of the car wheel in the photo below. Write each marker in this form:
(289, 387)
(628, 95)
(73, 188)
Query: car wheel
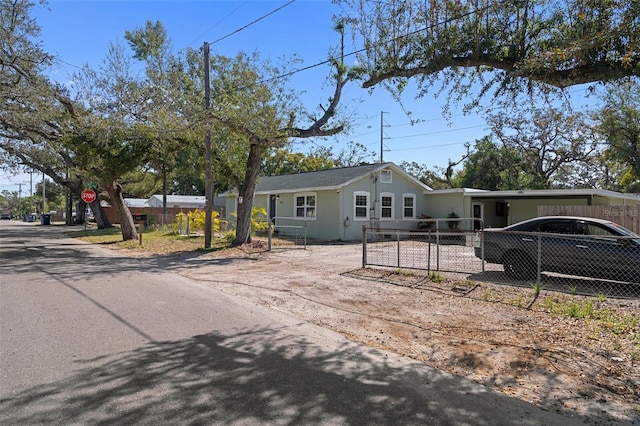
(517, 265)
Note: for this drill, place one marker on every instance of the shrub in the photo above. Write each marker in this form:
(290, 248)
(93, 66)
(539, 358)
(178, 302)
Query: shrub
(195, 220)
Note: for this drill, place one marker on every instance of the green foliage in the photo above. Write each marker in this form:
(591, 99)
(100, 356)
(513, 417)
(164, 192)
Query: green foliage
(539, 143)
(497, 50)
(431, 178)
(492, 167)
(453, 224)
(194, 221)
(281, 162)
(619, 122)
(587, 309)
(259, 221)
(435, 277)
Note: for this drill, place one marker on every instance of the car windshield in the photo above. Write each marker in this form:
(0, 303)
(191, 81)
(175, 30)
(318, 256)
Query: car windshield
(626, 233)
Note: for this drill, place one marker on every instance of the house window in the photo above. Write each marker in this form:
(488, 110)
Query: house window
(386, 205)
(385, 176)
(409, 206)
(305, 207)
(361, 205)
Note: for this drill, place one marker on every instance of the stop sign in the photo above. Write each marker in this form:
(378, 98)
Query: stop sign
(88, 195)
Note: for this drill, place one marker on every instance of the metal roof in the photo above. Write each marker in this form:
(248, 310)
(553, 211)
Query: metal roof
(533, 193)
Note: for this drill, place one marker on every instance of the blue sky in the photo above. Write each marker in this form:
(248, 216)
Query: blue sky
(79, 32)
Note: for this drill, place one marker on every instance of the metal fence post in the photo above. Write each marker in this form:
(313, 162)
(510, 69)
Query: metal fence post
(437, 249)
(305, 234)
(269, 235)
(429, 252)
(364, 246)
(398, 243)
(539, 260)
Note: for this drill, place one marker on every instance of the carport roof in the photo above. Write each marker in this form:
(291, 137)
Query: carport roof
(553, 193)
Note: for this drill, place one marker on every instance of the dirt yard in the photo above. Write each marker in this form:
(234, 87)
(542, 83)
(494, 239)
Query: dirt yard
(482, 331)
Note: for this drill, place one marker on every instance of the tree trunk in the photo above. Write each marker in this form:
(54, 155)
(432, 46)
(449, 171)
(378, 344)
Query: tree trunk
(127, 226)
(99, 215)
(163, 169)
(245, 195)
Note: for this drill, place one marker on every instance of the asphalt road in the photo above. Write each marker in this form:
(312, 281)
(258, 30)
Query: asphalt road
(90, 337)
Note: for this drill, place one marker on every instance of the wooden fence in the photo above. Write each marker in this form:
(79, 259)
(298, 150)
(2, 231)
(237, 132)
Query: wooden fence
(627, 216)
(155, 214)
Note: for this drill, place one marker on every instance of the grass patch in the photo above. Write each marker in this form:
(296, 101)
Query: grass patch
(153, 242)
(611, 320)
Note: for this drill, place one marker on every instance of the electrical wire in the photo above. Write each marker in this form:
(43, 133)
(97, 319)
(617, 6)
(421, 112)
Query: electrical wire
(253, 22)
(217, 23)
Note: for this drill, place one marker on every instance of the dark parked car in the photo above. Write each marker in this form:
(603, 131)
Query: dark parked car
(564, 244)
(5, 216)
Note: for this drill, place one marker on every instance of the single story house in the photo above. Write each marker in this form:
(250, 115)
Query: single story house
(334, 204)
(178, 201)
(136, 202)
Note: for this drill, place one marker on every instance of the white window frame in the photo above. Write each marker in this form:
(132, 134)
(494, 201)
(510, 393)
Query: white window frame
(413, 206)
(392, 207)
(386, 176)
(306, 207)
(357, 194)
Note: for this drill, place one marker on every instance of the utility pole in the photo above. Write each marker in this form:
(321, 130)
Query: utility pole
(20, 196)
(208, 179)
(382, 138)
(44, 195)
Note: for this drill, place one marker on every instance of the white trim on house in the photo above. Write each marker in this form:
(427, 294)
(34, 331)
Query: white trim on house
(409, 196)
(358, 208)
(388, 209)
(308, 208)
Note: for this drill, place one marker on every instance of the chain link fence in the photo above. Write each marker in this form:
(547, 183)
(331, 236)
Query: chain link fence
(287, 229)
(577, 264)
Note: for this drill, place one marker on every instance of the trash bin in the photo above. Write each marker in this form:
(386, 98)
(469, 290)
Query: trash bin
(46, 219)
(29, 217)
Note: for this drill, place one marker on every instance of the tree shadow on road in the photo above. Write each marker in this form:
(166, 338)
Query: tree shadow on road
(258, 376)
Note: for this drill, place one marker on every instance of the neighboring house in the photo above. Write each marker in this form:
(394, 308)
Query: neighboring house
(136, 202)
(334, 204)
(176, 204)
(178, 201)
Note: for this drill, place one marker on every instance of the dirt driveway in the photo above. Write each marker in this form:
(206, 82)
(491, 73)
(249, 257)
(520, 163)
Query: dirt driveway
(481, 331)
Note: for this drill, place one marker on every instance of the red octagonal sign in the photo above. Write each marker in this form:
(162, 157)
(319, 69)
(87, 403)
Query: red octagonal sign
(88, 195)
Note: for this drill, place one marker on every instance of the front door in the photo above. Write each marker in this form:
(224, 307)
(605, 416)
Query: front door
(273, 202)
(478, 212)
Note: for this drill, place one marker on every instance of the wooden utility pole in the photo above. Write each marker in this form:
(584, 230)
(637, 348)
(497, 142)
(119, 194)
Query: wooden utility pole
(208, 179)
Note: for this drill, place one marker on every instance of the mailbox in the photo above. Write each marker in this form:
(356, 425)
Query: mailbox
(139, 217)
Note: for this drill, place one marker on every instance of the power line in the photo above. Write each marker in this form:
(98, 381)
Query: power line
(253, 22)
(217, 23)
(430, 146)
(438, 132)
(355, 52)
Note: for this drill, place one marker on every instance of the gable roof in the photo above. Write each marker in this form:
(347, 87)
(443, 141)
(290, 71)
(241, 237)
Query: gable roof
(324, 179)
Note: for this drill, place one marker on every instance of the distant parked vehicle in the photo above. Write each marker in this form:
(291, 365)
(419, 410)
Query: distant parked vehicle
(563, 244)
(5, 216)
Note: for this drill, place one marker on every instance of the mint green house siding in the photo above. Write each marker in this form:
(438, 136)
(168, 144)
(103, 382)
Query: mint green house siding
(503, 208)
(335, 204)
